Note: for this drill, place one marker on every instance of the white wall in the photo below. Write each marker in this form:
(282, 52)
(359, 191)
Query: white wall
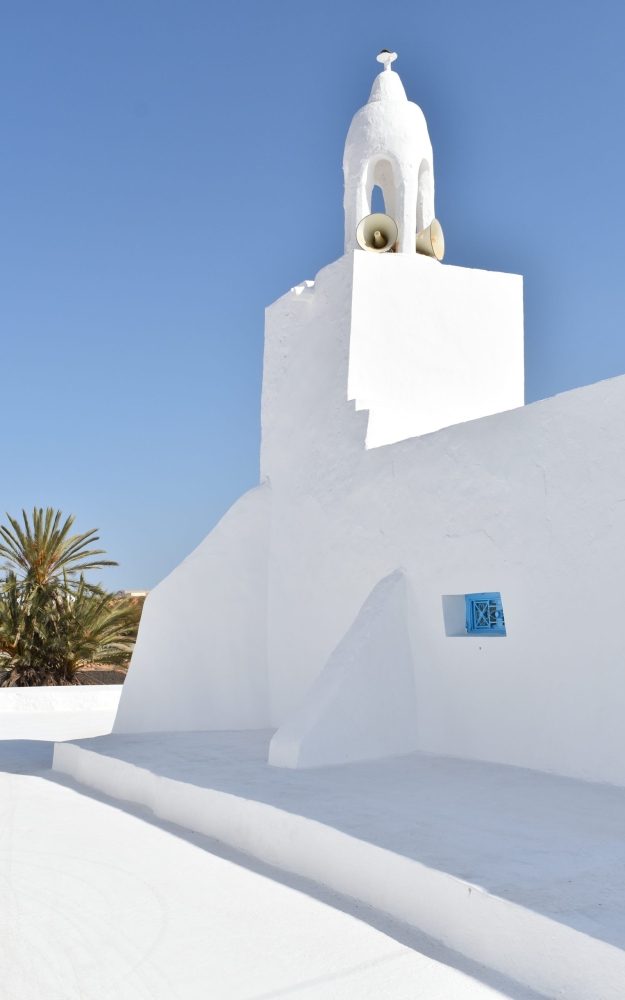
(363, 704)
(431, 344)
(311, 437)
(66, 698)
(200, 658)
(313, 443)
(529, 502)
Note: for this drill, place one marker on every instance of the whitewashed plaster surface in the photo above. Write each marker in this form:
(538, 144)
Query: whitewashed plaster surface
(102, 903)
(519, 871)
(431, 344)
(69, 698)
(40, 725)
(529, 502)
(59, 713)
(209, 670)
(363, 704)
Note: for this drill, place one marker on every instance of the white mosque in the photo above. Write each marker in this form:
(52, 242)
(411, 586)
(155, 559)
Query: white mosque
(426, 563)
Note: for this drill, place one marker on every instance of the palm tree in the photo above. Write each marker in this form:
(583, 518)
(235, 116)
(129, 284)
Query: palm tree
(42, 552)
(52, 622)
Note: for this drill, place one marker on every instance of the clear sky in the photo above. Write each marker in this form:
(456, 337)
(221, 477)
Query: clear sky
(170, 167)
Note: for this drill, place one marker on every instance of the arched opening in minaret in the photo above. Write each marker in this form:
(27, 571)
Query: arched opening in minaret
(377, 199)
(381, 187)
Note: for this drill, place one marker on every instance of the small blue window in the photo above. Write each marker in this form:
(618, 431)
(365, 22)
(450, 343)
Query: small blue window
(484, 614)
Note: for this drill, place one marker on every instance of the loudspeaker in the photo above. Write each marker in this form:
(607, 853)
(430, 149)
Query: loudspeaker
(431, 241)
(377, 232)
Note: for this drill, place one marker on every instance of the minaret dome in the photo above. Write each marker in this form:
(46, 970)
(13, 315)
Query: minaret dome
(388, 145)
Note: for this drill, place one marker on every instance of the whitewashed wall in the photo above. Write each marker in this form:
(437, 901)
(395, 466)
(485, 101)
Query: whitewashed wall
(529, 502)
(68, 698)
(200, 658)
(431, 344)
(317, 344)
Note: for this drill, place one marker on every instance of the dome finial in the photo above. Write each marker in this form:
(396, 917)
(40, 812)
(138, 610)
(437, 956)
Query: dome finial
(387, 58)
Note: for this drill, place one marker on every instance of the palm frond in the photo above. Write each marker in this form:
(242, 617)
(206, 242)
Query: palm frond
(42, 549)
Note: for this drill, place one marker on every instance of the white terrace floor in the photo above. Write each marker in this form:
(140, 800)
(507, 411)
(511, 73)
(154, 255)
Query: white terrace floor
(100, 900)
(553, 845)
(521, 871)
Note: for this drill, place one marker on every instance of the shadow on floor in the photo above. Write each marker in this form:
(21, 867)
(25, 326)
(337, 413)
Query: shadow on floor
(25, 756)
(34, 757)
(551, 844)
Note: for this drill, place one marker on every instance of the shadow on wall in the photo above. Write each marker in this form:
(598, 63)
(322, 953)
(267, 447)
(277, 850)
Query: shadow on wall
(363, 705)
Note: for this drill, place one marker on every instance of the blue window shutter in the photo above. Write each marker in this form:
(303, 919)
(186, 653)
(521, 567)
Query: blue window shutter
(485, 614)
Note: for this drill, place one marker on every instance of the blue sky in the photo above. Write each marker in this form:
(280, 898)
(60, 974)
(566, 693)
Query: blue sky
(170, 168)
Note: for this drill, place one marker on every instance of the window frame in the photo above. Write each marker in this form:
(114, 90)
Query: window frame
(490, 596)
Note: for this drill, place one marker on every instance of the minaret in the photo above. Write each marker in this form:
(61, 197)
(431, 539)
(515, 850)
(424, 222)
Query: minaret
(430, 344)
(237, 635)
(427, 344)
(388, 145)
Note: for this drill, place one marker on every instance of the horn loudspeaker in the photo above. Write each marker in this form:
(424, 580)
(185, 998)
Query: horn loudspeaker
(377, 232)
(431, 241)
